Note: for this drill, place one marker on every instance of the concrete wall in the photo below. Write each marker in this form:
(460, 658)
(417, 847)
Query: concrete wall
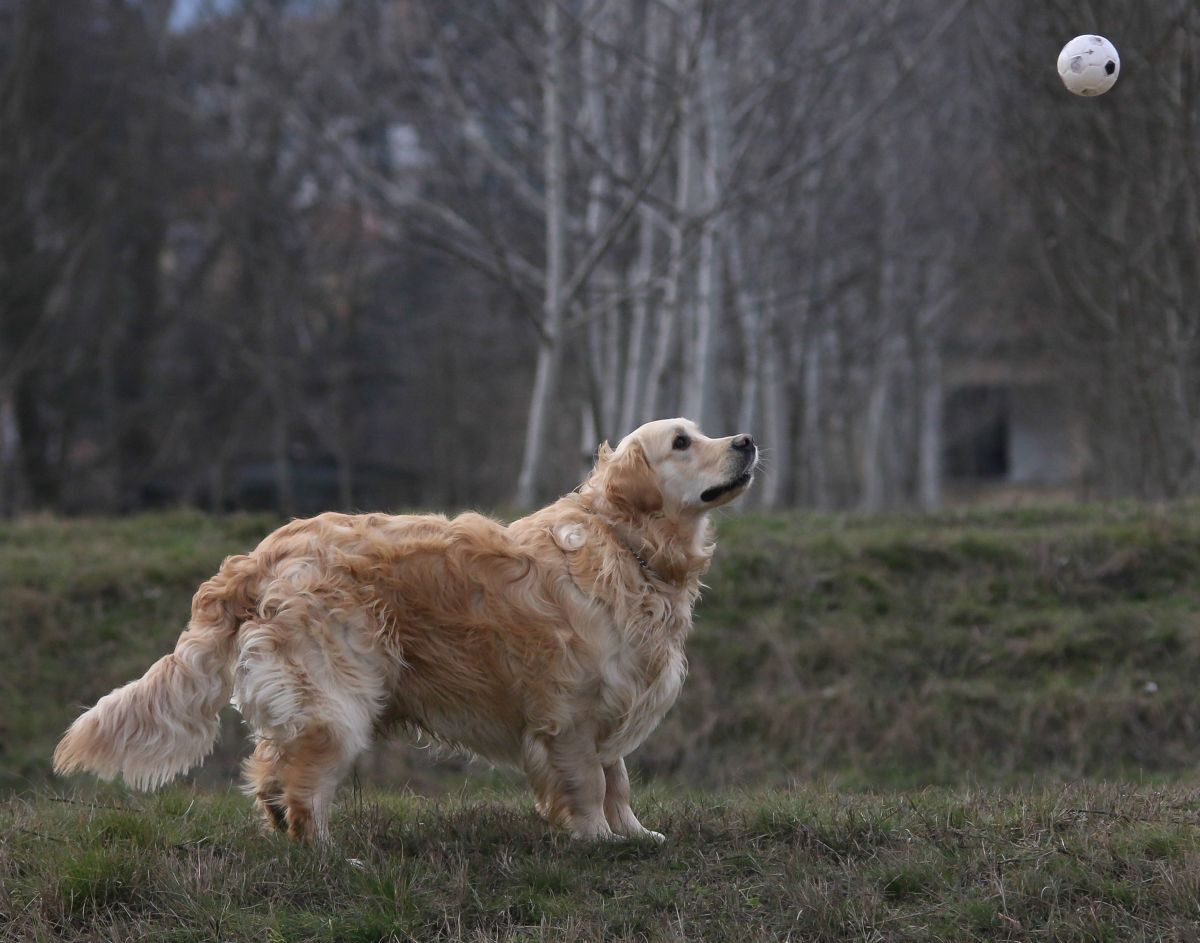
(1043, 436)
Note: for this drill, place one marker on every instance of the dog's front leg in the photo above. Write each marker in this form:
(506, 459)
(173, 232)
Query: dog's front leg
(616, 804)
(569, 783)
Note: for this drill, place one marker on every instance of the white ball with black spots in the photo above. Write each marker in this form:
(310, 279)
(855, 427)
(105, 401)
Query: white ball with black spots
(1089, 65)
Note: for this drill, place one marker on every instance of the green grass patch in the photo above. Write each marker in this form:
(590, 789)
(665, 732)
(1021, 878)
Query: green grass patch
(1077, 862)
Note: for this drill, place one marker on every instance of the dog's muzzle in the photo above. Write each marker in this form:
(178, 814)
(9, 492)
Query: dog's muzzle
(742, 445)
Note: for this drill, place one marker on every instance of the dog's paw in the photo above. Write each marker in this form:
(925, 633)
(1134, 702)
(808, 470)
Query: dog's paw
(596, 836)
(643, 835)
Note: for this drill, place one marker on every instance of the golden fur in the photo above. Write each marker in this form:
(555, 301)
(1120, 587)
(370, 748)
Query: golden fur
(554, 644)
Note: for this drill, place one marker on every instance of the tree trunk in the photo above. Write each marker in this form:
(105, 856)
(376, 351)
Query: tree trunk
(604, 326)
(875, 465)
(750, 317)
(641, 270)
(777, 421)
(135, 452)
(877, 468)
(545, 382)
(929, 429)
(813, 438)
(635, 353)
(672, 309)
(698, 394)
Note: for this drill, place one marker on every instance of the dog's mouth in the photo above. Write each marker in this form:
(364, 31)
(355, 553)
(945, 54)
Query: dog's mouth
(714, 494)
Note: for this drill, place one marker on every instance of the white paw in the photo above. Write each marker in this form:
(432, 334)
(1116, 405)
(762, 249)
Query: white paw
(595, 835)
(641, 833)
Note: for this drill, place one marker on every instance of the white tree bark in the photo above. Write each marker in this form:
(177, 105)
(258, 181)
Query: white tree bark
(673, 296)
(635, 354)
(699, 361)
(798, 348)
(604, 328)
(751, 319)
(929, 427)
(549, 359)
(815, 443)
(640, 276)
(883, 323)
(876, 466)
(777, 420)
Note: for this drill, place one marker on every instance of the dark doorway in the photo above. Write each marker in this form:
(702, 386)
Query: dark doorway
(977, 433)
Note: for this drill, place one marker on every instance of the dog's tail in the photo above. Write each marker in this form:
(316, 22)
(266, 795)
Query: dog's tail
(155, 728)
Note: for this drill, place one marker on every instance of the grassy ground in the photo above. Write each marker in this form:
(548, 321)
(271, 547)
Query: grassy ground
(1067, 863)
(908, 728)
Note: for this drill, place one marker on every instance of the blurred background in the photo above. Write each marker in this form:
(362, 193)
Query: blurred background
(290, 256)
(283, 256)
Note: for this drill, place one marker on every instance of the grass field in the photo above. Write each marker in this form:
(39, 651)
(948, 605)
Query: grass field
(1065, 863)
(978, 725)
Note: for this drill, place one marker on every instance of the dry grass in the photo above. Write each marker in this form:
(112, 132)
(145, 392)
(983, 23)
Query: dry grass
(910, 729)
(1067, 863)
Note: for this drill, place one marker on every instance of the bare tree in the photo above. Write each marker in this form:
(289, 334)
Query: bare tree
(296, 254)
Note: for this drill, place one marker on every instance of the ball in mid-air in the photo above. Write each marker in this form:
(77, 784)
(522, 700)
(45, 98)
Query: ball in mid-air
(1089, 65)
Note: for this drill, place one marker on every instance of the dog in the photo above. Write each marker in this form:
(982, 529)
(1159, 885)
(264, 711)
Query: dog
(554, 644)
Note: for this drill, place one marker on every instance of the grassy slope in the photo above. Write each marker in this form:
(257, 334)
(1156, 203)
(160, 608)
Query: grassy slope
(1056, 642)
(990, 645)
(88, 605)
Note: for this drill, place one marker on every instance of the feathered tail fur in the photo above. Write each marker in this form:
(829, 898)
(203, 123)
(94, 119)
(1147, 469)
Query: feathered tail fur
(155, 728)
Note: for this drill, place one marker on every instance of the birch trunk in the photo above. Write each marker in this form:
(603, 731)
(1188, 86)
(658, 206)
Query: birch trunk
(603, 328)
(672, 308)
(549, 360)
(802, 344)
(875, 466)
(698, 393)
(815, 443)
(642, 269)
(777, 421)
(929, 430)
(635, 354)
(926, 342)
(750, 317)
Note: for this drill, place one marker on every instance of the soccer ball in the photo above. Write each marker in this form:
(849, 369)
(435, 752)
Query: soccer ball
(1089, 65)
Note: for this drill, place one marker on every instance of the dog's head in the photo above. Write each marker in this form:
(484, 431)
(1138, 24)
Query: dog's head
(669, 466)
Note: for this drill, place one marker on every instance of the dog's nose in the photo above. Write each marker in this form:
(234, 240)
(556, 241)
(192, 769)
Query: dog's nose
(743, 443)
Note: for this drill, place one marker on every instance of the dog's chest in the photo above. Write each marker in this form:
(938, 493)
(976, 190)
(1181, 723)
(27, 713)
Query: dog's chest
(635, 639)
(637, 690)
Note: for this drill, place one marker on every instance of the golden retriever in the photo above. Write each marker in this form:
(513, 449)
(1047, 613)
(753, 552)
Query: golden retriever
(554, 644)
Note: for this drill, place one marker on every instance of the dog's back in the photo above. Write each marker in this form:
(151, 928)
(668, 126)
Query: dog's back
(334, 629)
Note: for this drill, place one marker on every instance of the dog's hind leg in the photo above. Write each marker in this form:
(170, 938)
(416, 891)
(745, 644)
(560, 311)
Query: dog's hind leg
(262, 782)
(310, 768)
(294, 781)
(312, 707)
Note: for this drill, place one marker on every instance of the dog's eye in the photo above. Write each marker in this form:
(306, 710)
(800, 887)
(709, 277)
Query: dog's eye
(681, 442)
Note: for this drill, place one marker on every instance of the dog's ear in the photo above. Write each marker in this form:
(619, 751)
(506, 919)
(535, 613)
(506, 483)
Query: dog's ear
(629, 481)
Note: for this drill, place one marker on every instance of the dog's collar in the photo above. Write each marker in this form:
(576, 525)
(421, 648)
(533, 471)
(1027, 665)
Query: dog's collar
(640, 559)
(624, 542)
